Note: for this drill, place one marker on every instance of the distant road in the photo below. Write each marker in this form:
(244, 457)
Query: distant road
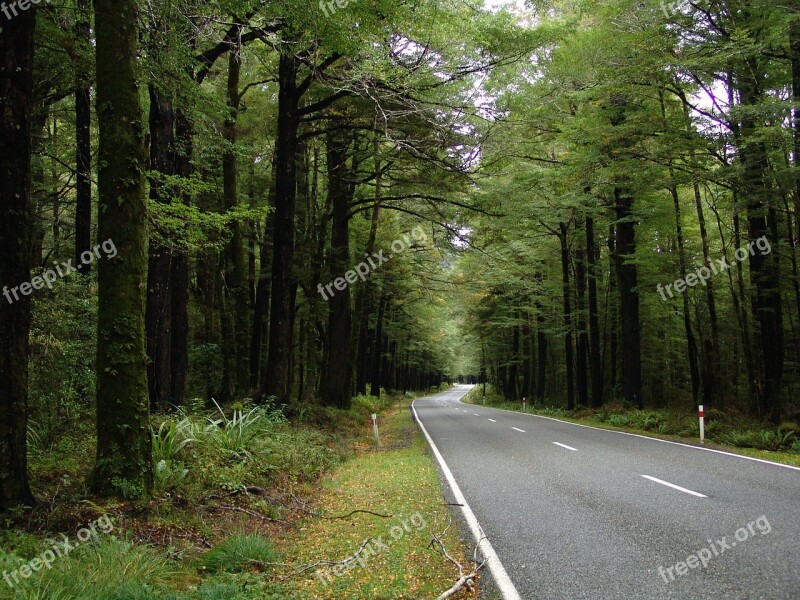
(582, 513)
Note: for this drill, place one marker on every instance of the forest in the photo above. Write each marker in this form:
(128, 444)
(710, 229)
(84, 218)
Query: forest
(291, 210)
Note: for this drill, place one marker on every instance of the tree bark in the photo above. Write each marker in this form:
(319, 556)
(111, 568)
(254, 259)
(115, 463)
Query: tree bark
(16, 104)
(568, 353)
(83, 145)
(336, 389)
(627, 281)
(158, 314)
(277, 376)
(124, 462)
(595, 359)
(236, 277)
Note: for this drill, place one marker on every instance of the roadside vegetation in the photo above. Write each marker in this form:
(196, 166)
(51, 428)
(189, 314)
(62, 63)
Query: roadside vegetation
(724, 429)
(244, 501)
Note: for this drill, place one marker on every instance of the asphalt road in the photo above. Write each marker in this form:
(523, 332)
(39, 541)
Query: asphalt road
(577, 512)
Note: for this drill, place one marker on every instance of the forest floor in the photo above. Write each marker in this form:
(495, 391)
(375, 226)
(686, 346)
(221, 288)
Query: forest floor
(301, 511)
(725, 430)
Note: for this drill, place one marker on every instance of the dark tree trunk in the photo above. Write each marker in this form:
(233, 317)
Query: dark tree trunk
(627, 281)
(595, 359)
(568, 354)
(764, 269)
(583, 333)
(277, 377)
(16, 104)
(612, 318)
(263, 289)
(179, 274)
(159, 302)
(541, 348)
(377, 354)
(691, 344)
(339, 369)
(236, 277)
(123, 427)
(83, 146)
(527, 353)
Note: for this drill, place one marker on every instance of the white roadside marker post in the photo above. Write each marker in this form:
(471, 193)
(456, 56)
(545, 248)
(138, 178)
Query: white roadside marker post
(375, 430)
(702, 416)
(524, 404)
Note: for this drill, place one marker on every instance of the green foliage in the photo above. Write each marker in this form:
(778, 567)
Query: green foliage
(300, 453)
(168, 475)
(239, 552)
(102, 570)
(171, 437)
(239, 433)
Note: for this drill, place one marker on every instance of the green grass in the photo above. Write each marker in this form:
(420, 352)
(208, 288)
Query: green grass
(237, 553)
(400, 481)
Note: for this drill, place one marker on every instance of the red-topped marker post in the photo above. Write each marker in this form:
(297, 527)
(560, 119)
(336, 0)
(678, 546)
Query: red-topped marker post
(702, 415)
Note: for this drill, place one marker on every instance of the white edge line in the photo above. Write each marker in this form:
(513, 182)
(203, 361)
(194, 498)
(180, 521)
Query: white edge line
(503, 581)
(565, 446)
(644, 437)
(675, 487)
(520, 430)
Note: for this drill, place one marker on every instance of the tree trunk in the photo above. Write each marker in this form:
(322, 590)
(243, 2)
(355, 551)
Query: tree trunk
(16, 104)
(595, 360)
(541, 348)
(83, 145)
(583, 333)
(339, 369)
(691, 344)
(263, 288)
(277, 376)
(236, 277)
(124, 461)
(627, 281)
(377, 354)
(158, 315)
(179, 273)
(764, 269)
(567, 315)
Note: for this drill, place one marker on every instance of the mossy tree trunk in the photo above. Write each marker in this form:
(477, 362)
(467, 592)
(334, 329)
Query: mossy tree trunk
(123, 433)
(16, 102)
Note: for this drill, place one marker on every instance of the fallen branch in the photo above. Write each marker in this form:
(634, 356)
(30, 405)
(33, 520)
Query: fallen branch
(249, 512)
(464, 579)
(300, 569)
(350, 514)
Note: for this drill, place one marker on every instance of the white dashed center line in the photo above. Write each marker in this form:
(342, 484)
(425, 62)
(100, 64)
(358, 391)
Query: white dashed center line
(520, 430)
(675, 487)
(565, 446)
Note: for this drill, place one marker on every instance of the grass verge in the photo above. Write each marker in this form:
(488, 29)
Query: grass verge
(401, 482)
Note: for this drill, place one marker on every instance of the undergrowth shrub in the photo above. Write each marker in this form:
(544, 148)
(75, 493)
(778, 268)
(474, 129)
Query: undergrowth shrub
(239, 552)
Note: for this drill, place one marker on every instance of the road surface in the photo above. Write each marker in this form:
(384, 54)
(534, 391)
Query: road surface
(576, 512)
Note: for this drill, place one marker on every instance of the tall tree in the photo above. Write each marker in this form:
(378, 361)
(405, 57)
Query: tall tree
(16, 103)
(124, 461)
